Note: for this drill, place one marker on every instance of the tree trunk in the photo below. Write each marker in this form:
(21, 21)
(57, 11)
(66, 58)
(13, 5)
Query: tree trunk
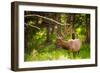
(71, 20)
(73, 27)
(58, 18)
(87, 28)
(48, 33)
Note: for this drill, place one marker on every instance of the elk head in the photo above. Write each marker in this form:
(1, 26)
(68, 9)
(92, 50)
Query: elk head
(59, 42)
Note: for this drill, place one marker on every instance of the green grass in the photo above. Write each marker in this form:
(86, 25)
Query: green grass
(50, 52)
(39, 50)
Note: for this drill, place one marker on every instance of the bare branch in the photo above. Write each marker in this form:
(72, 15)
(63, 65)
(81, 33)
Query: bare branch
(33, 26)
(46, 18)
(49, 19)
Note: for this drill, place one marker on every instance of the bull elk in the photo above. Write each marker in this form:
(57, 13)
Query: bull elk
(72, 45)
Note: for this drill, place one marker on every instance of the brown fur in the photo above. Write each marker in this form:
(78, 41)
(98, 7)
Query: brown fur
(72, 45)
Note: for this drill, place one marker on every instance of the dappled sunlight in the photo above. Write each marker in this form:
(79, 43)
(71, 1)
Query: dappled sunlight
(43, 29)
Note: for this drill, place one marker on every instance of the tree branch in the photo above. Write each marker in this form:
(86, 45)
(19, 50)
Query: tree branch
(46, 18)
(49, 19)
(33, 26)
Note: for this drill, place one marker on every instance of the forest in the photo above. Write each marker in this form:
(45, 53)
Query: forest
(42, 30)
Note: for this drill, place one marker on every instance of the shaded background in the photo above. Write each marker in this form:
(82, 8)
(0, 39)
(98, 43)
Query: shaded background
(41, 33)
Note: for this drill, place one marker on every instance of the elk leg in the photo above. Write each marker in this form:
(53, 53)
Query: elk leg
(78, 52)
(74, 55)
(70, 54)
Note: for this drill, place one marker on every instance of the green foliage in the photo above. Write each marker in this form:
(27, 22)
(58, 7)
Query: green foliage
(50, 52)
(38, 49)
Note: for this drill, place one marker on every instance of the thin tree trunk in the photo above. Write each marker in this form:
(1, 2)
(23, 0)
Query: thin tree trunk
(87, 28)
(71, 20)
(58, 18)
(73, 27)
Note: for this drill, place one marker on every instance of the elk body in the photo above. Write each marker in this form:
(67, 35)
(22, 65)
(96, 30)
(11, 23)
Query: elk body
(72, 45)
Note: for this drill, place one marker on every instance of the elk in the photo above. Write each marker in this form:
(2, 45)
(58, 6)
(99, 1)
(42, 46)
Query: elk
(72, 45)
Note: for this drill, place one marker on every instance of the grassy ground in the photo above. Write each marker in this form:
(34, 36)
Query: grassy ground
(50, 52)
(38, 50)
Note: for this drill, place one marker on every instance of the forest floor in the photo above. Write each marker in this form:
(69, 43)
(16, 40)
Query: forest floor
(50, 52)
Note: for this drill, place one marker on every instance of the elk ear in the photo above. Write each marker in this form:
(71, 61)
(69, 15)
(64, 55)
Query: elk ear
(59, 37)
